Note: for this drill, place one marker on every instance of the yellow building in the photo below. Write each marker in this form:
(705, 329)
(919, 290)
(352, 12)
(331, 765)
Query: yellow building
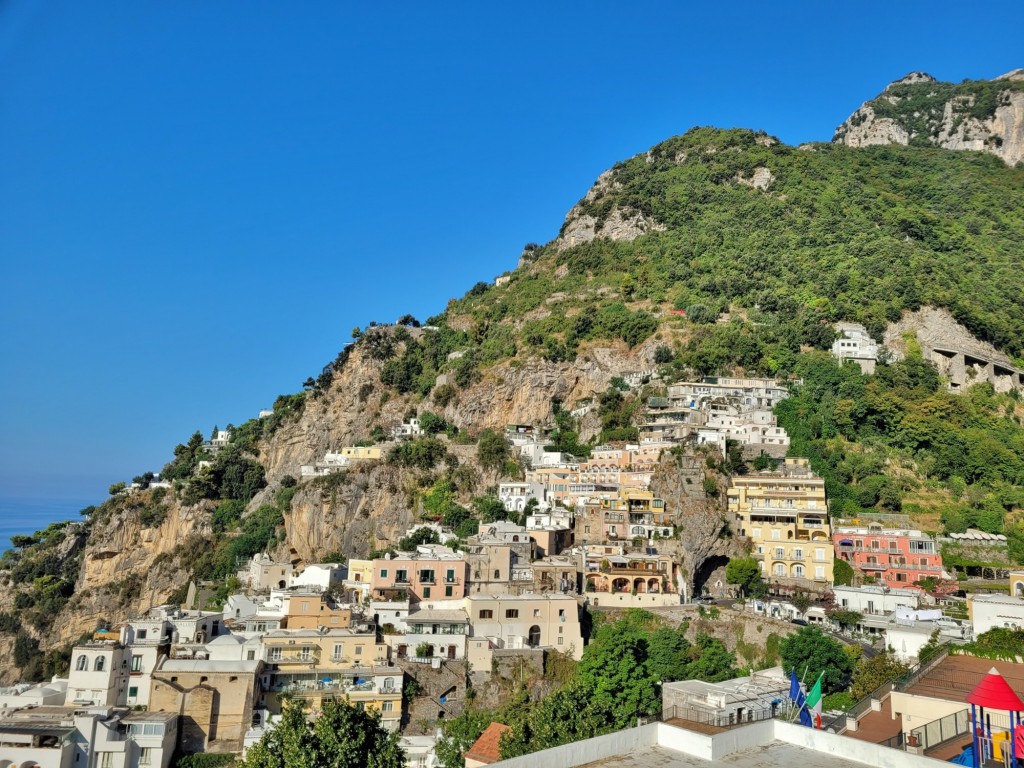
(785, 515)
(317, 664)
(361, 453)
(645, 514)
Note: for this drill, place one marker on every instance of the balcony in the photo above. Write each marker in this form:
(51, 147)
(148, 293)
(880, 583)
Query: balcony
(452, 580)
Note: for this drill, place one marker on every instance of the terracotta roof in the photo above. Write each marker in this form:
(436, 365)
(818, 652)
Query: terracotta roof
(994, 692)
(485, 749)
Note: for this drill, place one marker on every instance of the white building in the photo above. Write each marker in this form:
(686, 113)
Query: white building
(23, 695)
(760, 695)
(442, 632)
(874, 600)
(320, 576)
(98, 737)
(410, 428)
(995, 611)
(854, 343)
(908, 631)
(515, 496)
(263, 573)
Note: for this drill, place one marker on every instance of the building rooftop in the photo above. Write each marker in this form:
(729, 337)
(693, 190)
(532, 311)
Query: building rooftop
(756, 745)
(486, 748)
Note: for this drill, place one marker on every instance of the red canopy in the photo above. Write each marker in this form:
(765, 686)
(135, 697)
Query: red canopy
(993, 692)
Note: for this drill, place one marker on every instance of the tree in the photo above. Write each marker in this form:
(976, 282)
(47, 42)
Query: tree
(342, 736)
(844, 618)
(715, 663)
(872, 673)
(811, 652)
(492, 450)
(431, 423)
(842, 573)
(669, 654)
(116, 488)
(616, 669)
(801, 602)
(745, 572)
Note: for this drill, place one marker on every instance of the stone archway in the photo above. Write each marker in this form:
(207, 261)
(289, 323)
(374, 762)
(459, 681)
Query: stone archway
(708, 567)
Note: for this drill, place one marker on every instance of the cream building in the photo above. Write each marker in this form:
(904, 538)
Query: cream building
(522, 621)
(785, 515)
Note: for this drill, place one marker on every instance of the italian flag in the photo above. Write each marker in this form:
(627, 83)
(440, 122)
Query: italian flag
(814, 701)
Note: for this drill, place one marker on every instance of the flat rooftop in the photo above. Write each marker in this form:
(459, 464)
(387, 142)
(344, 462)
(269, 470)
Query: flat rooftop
(774, 753)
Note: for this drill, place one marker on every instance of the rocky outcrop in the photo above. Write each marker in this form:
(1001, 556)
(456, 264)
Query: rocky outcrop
(959, 356)
(706, 533)
(761, 178)
(582, 226)
(943, 115)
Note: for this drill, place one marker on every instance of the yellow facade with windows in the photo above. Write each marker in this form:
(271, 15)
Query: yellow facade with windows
(785, 515)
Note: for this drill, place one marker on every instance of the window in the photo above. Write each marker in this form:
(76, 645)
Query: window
(339, 651)
(561, 613)
(82, 664)
(250, 655)
(141, 634)
(387, 706)
(448, 591)
(359, 650)
(145, 756)
(402, 576)
(275, 654)
(136, 663)
(536, 612)
(798, 554)
(426, 592)
(819, 572)
(133, 691)
(449, 576)
(776, 535)
(100, 664)
(780, 553)
(756, 533)
(486, 614)
(106, 760)
(512, 613)
(305, 607)
(383, 573)
(819, 554)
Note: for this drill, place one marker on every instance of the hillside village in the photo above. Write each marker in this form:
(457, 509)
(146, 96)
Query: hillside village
(411, 632)
(696, 486)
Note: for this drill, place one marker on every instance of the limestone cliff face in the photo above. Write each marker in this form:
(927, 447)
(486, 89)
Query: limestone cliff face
(129, 567)
(582, 225)
(917, 109)
(706, 533)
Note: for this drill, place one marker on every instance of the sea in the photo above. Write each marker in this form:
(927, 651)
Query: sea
(23, 516)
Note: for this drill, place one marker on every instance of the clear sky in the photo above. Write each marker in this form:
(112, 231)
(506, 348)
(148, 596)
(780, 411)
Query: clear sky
(199, 200)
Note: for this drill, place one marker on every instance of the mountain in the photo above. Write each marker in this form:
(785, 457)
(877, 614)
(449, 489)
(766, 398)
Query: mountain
(714, 252)
(981, 115)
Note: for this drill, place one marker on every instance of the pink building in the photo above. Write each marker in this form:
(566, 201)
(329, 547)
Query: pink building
(432, 573)
(896, 557)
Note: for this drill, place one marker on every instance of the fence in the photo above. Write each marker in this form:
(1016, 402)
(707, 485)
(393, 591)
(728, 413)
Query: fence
(938, 731)
(719, 719)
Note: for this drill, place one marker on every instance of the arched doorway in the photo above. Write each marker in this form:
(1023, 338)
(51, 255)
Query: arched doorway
(534, 637)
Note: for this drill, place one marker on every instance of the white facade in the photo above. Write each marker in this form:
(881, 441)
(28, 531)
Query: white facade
(854, 343)
(514, 496)
(99, 737)
(995, 611)
(410, 428)
(319, 576)
(263, 572)
(874, 601)
(98, 675)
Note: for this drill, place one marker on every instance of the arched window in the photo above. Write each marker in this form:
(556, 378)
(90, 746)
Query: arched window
(82, 664)
(99, 664)
(534, 637)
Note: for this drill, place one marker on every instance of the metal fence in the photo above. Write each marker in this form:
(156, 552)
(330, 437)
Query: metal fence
(720, 719)
(937, 731)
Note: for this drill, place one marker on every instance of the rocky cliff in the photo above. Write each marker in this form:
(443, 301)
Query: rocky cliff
(983, 116)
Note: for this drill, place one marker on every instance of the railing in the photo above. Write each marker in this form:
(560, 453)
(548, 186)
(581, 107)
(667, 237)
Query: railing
(718, 719)
(931, 735)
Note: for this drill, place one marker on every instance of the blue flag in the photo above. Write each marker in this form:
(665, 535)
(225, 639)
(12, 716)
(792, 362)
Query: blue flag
(797, 695)
(794, 686)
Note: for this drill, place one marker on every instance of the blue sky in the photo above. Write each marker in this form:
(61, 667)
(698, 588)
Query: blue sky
(198, 201)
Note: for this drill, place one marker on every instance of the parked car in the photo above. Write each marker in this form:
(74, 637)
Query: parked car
(798, 622)
(705, 599)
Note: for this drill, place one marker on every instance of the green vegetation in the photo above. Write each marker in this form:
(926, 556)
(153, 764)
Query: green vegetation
(856, 429)
(811, 652)
(342, 736)
(617, 680)
(875, 672)
(919, 107)
(746, 573)
(999, 644)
